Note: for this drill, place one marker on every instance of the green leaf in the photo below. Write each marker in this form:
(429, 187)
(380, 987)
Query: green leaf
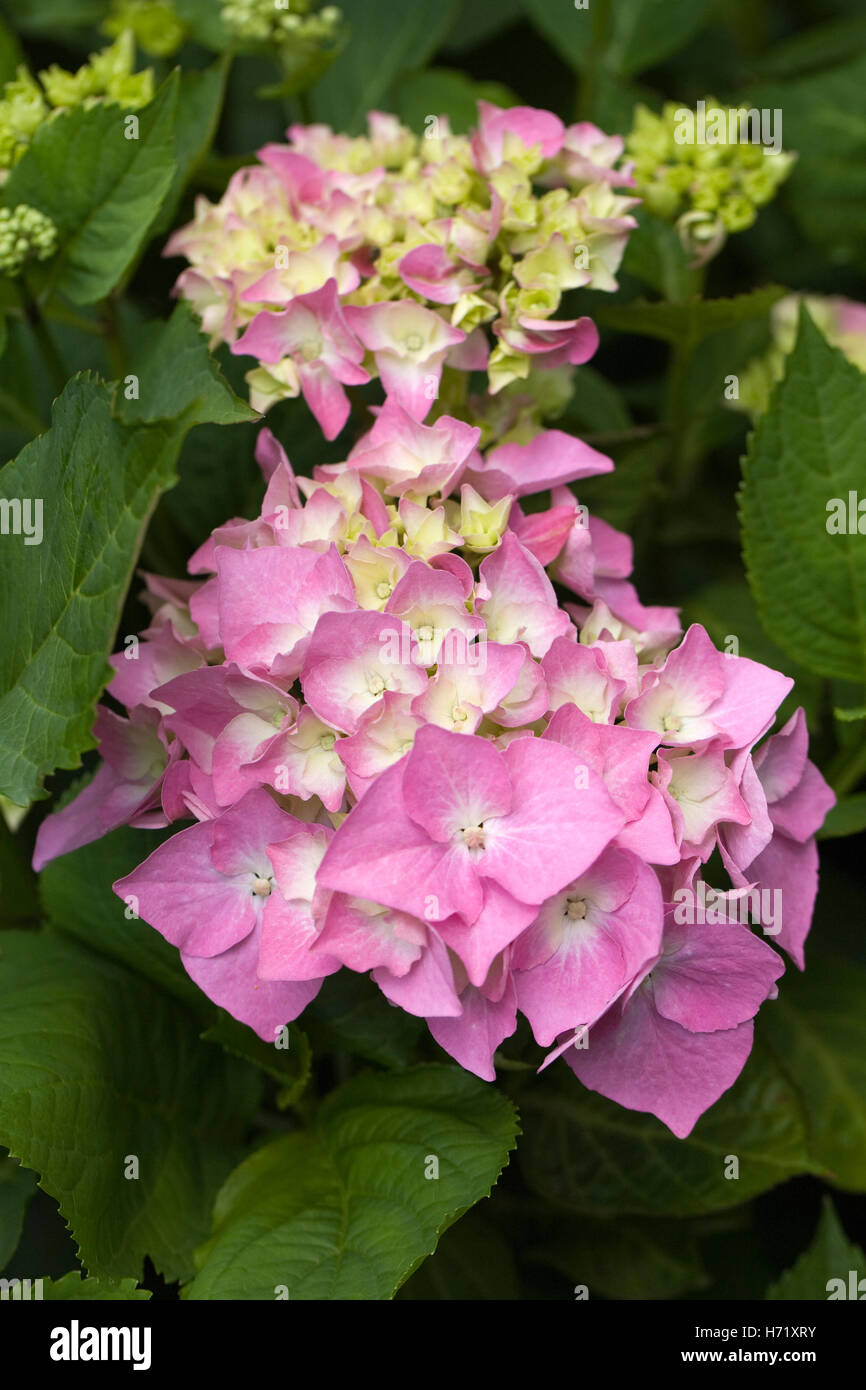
(47, 16)
(688, 323)
(350, 1014)
(386, 40)
(472, 1262)
(481, 19)
(102, 190)
(817, 1030)
(596, 405)
(345, 1211)
(218, 477)
(19, 904)
(646, 31)
(60, 599)
(830, 1256)
(74, 1286)
(655, 254)
(96, 1065)
(199, 103)
(819, 46)
(77, 898)
(60, 602)
(808, 449)
(631, 485)
(825, 122)
(850, 716)
(445, 92)
(569, 31)
(178, 376)
(594, 1157)
(205, 22)
(847, 817)
(17, 1186)
(625, 35)
(630, 1259)
(289, 1064)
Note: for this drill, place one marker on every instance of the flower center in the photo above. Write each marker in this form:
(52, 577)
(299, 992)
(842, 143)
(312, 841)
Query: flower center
(459, 715)
(327, 741)
(261, 887)
(375, 684)
(414, 342)
(671, 724)
(575, 909)
(311, 349)
(425, 633)
(473, 836)
(383, 589)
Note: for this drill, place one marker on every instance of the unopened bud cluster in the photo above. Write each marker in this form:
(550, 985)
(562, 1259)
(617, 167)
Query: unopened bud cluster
(701, 174)
(25, 234)
(399, 253)
(107, 76)
(258, 21)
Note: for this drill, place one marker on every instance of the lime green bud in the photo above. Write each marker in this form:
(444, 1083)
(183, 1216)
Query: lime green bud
(480, 523)
(470, 311)
(107, 75)
(736, 213)
(451, 183)
(707, 157)
(505, 366)
(651, 137)
(22, 111)
(249, 19)
(715, 174)
(661, 200)
(704, 196)
(751, 156)
(537, 303)
(25, 234)
(154, 25)
(702, 234)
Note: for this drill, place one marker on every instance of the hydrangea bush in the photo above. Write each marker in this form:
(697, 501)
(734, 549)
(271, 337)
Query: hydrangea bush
(393, 750)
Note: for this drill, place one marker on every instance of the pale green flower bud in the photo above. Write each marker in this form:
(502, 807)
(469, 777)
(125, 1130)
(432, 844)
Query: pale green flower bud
(25, 234)
(22, 111)
(505, 366)
(154, 25)
(471, 310)
(451, 183)
(736, 213)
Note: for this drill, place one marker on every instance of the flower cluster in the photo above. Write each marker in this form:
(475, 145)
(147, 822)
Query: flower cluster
(843, 323)
(336, 259)
(402, 756)
(25, 234)
(707, 171)
(263, 21)
(107, 76)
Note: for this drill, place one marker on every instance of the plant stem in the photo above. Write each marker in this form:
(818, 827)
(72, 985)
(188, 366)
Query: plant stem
(49, 351)
(113, 341)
